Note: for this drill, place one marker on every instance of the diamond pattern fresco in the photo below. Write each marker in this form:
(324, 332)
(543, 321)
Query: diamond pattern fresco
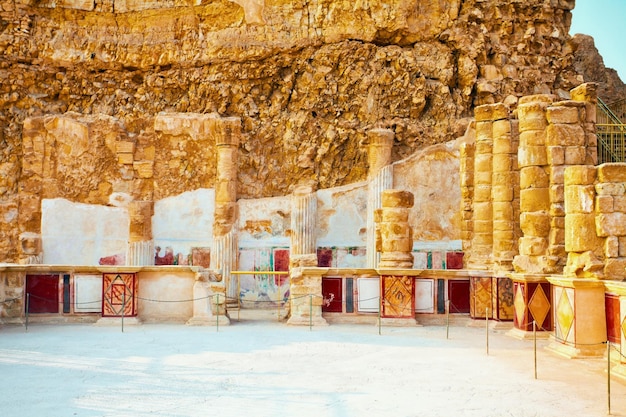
(520, 306)
(539, 306)
(398, 297)
(565, 314)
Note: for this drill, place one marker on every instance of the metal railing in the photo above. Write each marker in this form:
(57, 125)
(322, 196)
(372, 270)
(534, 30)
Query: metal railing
(611, 132)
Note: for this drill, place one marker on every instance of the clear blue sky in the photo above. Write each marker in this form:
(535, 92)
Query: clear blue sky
(605, 20)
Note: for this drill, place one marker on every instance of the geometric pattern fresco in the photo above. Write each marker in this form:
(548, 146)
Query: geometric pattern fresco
(398, 297)
(480, 296)
(565, 314)
(520, 306)
(118, 295)
(539, 306)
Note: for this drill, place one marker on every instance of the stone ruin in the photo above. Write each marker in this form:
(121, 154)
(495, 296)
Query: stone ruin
(354, 142)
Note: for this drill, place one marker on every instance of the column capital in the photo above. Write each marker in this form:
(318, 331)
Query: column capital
(227, 131)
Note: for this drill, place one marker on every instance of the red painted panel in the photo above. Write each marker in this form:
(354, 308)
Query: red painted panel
(611, 305)
(44, 293)
(459, 296)
(333, 295)
(454, 260)
(324, 257)
(281, 263)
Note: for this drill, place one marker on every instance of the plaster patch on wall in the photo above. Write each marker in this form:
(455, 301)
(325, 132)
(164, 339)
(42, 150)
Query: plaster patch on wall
(264, 222)
(342, 216)
(432, 175)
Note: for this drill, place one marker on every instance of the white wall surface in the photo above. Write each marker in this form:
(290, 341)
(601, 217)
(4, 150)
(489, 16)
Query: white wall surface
(184, 221)
(81, 234)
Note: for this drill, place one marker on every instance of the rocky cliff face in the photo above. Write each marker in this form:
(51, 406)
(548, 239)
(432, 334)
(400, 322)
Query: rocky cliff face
(308, 78)
(589, 63)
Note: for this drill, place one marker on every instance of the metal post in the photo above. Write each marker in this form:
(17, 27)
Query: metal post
(487, 328)
(27, 308)
(447, 319)
(217, 313)
(608, 377)
(310, 312)
(380, 308)
(123, 307)
(535, 345)
(238, 295)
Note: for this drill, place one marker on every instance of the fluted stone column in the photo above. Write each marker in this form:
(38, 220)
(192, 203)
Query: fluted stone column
(140, 246)
(380, 177)
(305, 289)
(227, 133)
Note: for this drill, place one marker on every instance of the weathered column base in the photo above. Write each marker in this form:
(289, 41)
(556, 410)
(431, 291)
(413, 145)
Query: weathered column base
(577, 352)
(306, 297)
(201, 309)
(219, 314)
(580, 326)
(532, 303)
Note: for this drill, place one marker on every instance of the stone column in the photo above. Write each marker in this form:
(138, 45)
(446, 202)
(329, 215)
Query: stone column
(380, 178)
(534, 188)
(303, 227)
(227, 133)
(395, 232)
(610, 209)
(305, 288)
(467, 196)
(482, 238)
(504, 183)
(587, 94)
(141, 247)
(397, 303)
(581, 241)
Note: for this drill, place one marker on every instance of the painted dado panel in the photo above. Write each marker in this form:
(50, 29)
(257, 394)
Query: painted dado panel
(87, 293)
(165, 296)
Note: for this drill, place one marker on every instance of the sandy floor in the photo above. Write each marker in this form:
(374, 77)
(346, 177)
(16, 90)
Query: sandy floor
(265, 368)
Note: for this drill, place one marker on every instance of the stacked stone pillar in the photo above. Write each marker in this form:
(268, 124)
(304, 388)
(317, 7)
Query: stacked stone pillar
(396, 235)
(581, 241)
(535, 201)
(305, 289)
(482, 237)
(227, 133)
(489, 182)
(466, 161)
(380, 178)
(397, 285)
(503, 192)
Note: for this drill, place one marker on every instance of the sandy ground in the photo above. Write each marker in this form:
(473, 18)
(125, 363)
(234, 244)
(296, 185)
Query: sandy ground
(266, 368)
